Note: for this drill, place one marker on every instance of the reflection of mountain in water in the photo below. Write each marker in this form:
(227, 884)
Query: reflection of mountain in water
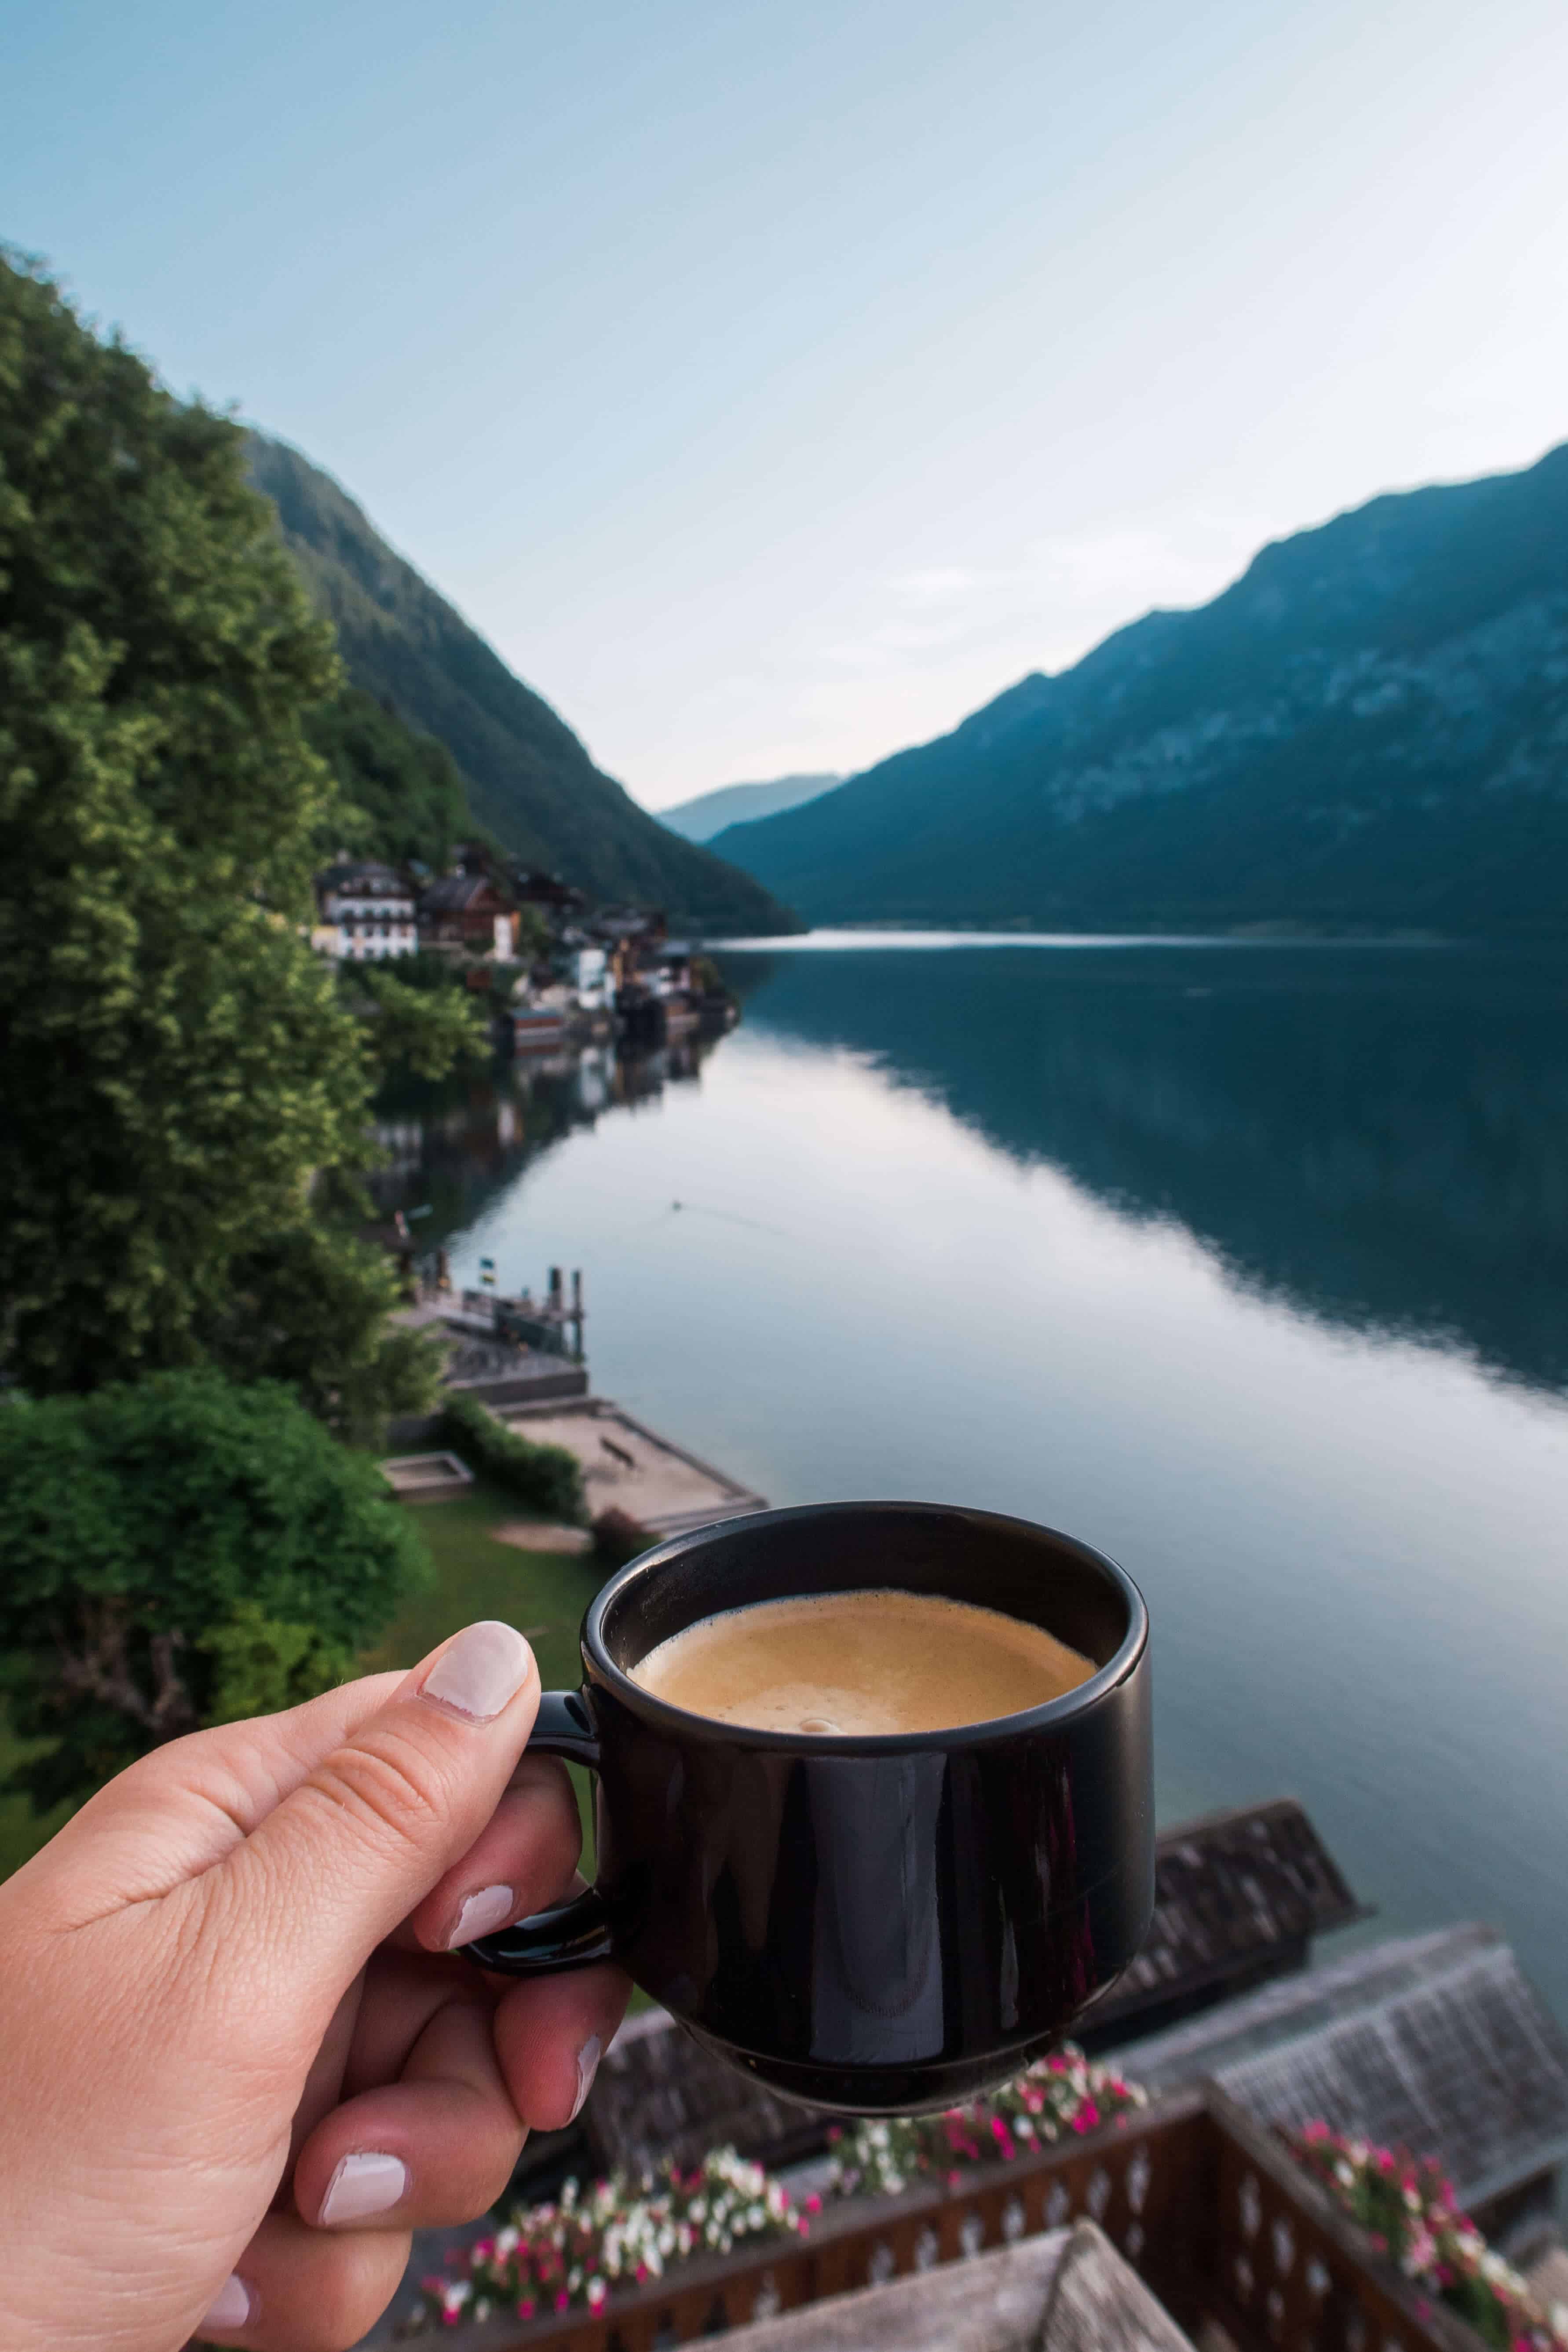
(1381, 1136)
(453, 1149)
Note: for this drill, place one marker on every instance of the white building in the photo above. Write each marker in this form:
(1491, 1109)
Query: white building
(590, 976)
(367, 913)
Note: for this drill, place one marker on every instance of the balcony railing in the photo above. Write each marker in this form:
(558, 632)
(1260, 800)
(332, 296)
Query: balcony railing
(1211, 2210)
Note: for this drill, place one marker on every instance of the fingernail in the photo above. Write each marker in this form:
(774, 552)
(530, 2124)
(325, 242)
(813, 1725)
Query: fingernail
(232, 2306)
(490, 1908)
(363, 2185)
(482, 1671)
(588, 2067)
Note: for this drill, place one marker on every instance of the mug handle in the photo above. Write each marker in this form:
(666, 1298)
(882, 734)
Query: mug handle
(570, 1935)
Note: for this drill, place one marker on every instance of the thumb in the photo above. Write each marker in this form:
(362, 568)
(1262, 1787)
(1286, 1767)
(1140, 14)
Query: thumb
(378, 1818)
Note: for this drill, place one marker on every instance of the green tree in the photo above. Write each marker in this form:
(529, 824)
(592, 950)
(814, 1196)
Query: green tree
(179, 1071)
(423, 1030)
(401, 795)
(178, 1551)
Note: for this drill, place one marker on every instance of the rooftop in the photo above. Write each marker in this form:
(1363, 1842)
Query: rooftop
(367, 875)
(1436, 2042)
(1237, 1896)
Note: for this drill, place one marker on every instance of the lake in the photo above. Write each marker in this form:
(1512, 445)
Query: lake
(1246, 1262)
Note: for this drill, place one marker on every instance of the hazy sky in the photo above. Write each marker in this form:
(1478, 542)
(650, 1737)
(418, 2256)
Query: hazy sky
(775, 382)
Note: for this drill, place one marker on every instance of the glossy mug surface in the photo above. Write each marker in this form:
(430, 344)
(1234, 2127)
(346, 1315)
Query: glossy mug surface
(876, 1924)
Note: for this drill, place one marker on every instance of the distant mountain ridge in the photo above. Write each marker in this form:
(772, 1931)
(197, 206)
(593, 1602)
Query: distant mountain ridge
(529, 779)
(1368, 729)
(710, 813)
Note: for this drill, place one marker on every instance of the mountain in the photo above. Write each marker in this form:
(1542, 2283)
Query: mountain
(710, 813)
(528, 778)
(1369, 729)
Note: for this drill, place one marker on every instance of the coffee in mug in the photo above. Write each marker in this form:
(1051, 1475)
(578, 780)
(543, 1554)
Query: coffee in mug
(867, 1663)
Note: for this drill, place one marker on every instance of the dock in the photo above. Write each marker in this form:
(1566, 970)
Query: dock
(629, 1468)
(521, 1359)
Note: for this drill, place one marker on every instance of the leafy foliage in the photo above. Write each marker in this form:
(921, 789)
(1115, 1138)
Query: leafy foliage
(1408, 2206)
(881, 2157)
(261, 1665)
(620, 2232)
(617, 2233)
(401, 796)
(308, 1305)
(174, 1549)
(528, 777)
(179, 1074)
(547, 1476)
(426, 1031)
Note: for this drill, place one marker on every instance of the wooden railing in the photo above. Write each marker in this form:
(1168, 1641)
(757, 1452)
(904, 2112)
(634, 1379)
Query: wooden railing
(1211, 2209)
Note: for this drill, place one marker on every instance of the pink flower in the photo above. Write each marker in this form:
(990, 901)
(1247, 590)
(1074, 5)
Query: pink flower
(562, 2300)
(814, 2203)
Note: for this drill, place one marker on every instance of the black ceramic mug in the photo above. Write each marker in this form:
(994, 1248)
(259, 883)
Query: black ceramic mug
(876, 1924)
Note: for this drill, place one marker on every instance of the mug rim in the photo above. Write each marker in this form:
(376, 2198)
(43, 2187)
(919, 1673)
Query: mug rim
(990, 1730)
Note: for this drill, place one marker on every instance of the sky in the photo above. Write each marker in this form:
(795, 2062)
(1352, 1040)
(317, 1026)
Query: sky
(775, 383)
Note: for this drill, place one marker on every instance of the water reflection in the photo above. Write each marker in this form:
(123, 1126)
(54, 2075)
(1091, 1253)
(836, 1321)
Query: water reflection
(451, 1149)
(1378, 1136)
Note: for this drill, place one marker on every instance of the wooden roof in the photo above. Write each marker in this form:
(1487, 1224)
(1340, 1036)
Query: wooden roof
(1436, 2042)
(1236, 1895)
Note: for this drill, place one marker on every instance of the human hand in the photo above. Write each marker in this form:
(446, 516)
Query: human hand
(237, 2063)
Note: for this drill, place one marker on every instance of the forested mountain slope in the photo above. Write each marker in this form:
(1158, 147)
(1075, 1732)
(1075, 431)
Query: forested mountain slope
(1369, 729)
(529, 779)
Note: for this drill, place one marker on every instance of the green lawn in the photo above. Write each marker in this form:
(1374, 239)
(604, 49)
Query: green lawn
(543, 1594)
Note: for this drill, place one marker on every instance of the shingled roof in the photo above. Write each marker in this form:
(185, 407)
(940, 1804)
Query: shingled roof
(1438, 2043)
(1237, 1897)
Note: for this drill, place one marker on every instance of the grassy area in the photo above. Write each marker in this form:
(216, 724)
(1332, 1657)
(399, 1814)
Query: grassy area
(543, 1594)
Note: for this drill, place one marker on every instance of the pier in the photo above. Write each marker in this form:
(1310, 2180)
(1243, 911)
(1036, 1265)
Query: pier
(521, 1358)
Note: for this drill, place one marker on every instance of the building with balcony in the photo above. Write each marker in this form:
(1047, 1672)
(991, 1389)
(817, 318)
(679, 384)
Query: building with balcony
(366, 913)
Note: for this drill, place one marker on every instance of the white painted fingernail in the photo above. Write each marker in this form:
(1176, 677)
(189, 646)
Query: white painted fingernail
(364, 2184)
(588, 2067)
(232, 2306)
(482, 1671)
(490, 1908)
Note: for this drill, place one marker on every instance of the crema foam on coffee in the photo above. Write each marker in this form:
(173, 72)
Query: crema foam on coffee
(861, 1662)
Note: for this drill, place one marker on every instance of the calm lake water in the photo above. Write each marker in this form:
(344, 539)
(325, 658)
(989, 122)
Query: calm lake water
(1247, 1263)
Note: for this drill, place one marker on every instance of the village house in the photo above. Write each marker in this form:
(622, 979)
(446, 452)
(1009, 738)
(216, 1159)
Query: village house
(559, 901)
(367, 912)
(467, 913)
